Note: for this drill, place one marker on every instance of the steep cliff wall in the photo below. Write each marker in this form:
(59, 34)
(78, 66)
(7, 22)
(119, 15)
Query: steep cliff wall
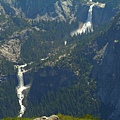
(57, 10)
(106, 71)
(105, 60)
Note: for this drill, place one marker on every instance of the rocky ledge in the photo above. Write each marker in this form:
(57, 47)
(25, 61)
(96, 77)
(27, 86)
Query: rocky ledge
(52, 117)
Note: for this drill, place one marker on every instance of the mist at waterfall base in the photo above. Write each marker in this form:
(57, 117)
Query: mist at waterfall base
(21, 88)
(87, 26)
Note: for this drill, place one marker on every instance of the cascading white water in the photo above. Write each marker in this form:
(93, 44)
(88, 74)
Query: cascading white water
(87, 26)
(20, 88)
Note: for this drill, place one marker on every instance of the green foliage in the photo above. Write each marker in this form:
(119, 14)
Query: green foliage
(78, 98)
(49, 39)
(8, 97)
(2, 18)
(6, 67)
(20, 22)
(76, 95)
(61, 116)
(86, 117)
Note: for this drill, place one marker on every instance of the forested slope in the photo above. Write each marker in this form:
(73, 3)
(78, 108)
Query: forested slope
(64, 71)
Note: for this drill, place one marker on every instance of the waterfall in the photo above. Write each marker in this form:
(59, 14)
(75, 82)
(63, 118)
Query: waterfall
(20, 88)
(87, 26)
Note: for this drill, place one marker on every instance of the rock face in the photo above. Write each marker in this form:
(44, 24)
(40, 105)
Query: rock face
(106, 71)
(61, 10)
(106, 67)
(52, 117)
(11, 50)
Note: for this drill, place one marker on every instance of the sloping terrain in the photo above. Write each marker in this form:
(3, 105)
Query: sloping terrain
(69, 75)
(106, 69)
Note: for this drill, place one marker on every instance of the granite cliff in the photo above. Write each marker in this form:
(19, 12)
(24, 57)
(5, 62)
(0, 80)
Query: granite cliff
(81, 71)
(69, 10)
(106, 70)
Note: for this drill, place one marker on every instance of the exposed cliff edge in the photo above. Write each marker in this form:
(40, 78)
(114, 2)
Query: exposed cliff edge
(62, 10)
(52, 117)
(38, 10)
(106, 70)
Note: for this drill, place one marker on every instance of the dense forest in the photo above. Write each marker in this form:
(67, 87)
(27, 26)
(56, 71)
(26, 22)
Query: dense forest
(59, 68)
(63, 73)
(66, 84)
